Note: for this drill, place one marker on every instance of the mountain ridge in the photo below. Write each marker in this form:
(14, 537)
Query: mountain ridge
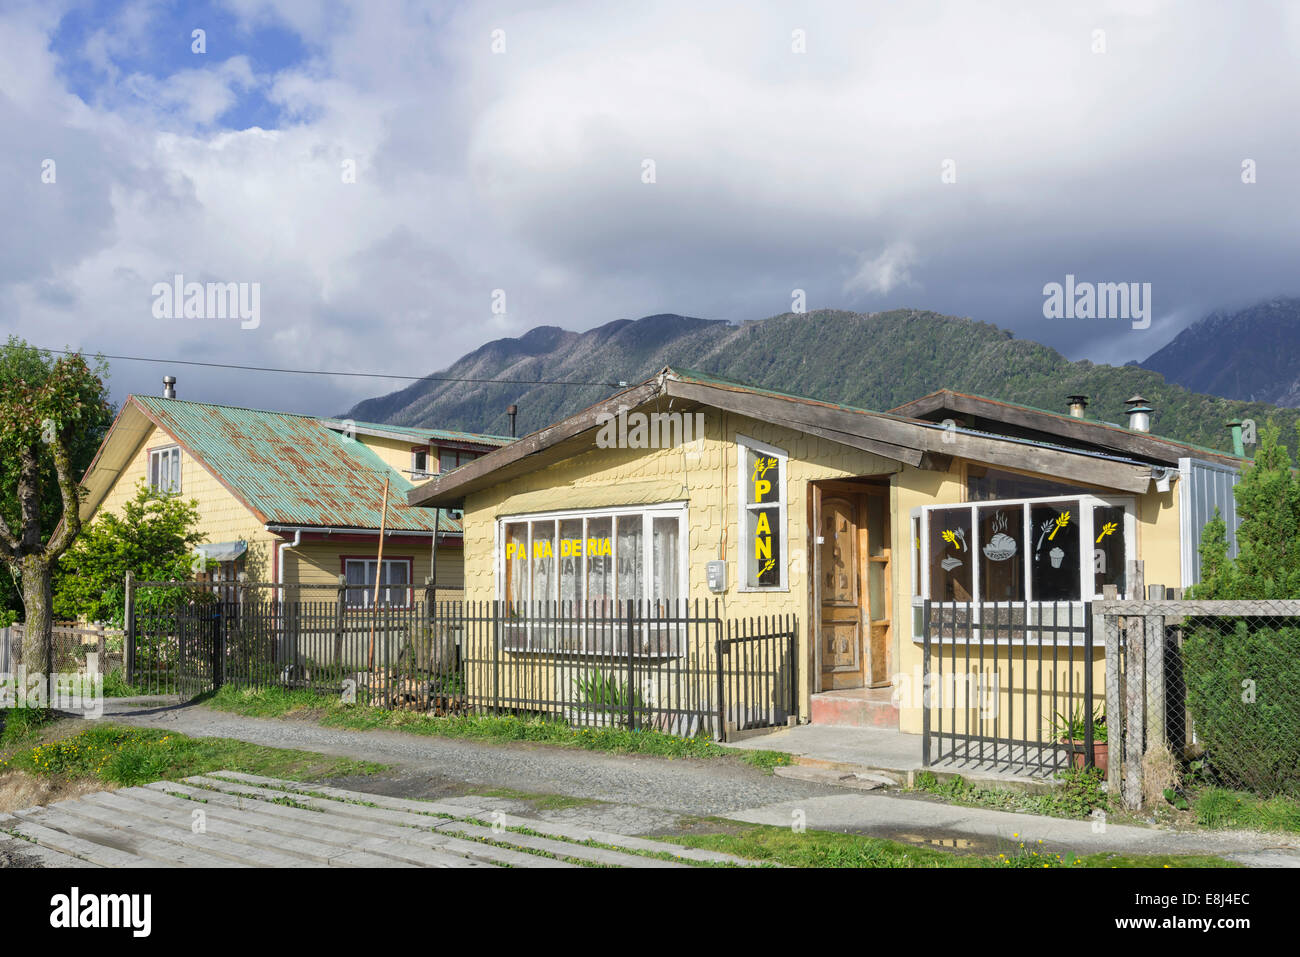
(1250, 354)
(874, 361)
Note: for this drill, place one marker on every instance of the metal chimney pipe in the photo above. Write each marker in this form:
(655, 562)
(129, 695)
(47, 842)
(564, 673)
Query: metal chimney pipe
(1139, 414)
(169, 387)
(1238, 445)
(512, 411)
(1078, 403)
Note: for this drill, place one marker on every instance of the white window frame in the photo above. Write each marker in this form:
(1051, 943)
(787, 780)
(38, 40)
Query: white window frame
(648, 514)
(368, 589)
(745, 444)
(463, 457)
(173, 452)
(1085, 503)
(416, 471)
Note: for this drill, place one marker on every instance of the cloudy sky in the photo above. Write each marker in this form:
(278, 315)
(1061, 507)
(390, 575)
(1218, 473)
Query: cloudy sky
(384, 171)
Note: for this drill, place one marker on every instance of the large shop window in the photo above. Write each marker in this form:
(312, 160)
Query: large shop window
(762, 498)
(592, 561)
(1036, 550)
(394, 582)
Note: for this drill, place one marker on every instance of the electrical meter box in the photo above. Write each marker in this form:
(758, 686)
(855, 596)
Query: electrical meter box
(716, 573)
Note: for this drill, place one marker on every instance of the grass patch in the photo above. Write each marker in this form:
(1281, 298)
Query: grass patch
(541, 802)
(1078, 796)
(19, 724)
(116, 685)
(812, 848)
(1220, 808)
(329, 711)
(116, 754)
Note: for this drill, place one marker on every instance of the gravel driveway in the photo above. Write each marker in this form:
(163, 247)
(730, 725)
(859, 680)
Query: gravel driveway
(683, 786)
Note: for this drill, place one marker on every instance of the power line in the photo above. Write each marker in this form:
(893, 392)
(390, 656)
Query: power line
(367, 375)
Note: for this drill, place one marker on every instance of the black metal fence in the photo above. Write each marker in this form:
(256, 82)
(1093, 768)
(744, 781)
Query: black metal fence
(672, 667)
(1012, 686)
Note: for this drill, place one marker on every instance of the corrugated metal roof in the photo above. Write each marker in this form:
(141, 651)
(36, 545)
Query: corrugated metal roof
(291, 469)
(446, 435)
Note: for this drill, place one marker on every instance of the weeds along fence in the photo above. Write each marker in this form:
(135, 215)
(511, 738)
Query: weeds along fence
(673, 667)
(1209, 694)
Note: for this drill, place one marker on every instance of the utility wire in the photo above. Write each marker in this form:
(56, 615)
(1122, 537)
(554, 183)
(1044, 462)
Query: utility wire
(367, 375)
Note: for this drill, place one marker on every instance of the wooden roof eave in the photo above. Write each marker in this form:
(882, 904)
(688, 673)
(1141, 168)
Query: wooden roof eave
(1100, 434)
(916, 440)
(521, 457)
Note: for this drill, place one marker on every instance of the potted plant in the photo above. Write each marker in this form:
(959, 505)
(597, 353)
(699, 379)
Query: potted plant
(1073, 731)
(602, 701)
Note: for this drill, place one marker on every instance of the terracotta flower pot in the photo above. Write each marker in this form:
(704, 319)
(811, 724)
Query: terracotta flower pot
(1100, 754)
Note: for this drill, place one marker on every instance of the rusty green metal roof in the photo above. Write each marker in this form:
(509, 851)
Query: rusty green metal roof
(293, 469)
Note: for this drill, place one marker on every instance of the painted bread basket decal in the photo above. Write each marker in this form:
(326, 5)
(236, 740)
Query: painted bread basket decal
(1001, 546)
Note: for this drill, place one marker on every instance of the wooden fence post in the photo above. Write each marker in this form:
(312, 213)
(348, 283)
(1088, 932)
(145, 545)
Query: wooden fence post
(1135, 694)
(1155, 666)
(1114, 690)
(128, 630)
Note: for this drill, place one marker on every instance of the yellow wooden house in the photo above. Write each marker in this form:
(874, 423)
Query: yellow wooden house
(689, 486)
(293, 499)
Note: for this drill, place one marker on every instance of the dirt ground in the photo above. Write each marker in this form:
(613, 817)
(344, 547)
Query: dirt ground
(18, 790)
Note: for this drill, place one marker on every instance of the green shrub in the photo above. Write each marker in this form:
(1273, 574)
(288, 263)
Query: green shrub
(1243, 692)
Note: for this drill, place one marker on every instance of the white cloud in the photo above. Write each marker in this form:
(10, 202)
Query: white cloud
(521, 171)
(890, 269)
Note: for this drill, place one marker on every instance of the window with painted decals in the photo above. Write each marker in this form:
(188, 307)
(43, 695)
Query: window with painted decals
(591, 561)
(1060, 549)
(762, 498)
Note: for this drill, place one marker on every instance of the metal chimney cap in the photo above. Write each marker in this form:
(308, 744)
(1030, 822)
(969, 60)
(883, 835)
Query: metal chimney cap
(169, 387)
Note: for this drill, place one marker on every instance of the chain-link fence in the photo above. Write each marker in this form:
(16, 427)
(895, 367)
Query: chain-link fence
(1233, 688)
(1218, 701)
(77, 648)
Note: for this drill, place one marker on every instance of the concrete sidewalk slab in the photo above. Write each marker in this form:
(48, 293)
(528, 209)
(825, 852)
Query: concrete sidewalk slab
(876, 752)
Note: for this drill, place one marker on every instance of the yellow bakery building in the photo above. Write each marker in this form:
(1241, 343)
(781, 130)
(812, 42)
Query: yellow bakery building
(954, 512)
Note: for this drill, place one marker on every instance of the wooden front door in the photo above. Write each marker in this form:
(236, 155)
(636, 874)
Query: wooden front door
(853, 580)
(840, 574)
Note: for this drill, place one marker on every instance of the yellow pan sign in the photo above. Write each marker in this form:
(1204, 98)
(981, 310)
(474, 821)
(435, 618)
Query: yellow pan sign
(569, 547)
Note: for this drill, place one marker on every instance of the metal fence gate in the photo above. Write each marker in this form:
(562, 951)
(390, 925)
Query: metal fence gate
(675, 667)
(1012, 686)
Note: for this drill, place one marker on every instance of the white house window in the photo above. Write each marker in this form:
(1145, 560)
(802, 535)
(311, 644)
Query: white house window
(394, 583)
(1060, 549)
(165, 470)
(591, 561)
(419, 463)
(762, 504)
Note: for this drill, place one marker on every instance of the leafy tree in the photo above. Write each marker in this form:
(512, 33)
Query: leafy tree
(1268, 539)
(53, 413)
(153, 538)
(1242, 673)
